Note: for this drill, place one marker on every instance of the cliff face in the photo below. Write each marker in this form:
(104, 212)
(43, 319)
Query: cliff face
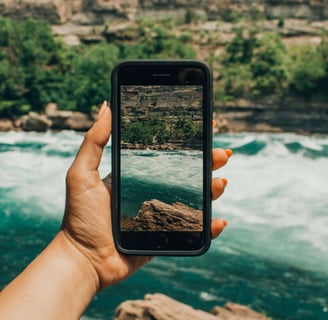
(175, 102)
(304, 9)
(99, 11)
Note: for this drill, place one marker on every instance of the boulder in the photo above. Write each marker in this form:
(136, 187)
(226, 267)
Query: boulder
(155, 215)
(161, 307)
(6, 125)
(59, 119)
(68, 120)
(79, 121)
(35, 122)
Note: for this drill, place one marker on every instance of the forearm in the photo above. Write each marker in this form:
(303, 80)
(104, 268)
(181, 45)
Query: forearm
(58, 284)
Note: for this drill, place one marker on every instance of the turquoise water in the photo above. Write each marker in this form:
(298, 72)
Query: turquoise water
(273, 256)
(153, 174)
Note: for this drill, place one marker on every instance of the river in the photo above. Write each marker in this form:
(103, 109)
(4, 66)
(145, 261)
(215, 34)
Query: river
(273, 255)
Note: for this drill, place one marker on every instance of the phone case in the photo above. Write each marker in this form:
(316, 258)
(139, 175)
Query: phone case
(116, 159)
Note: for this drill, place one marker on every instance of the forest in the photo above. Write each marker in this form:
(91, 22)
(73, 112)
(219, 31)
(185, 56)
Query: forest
(37, 68)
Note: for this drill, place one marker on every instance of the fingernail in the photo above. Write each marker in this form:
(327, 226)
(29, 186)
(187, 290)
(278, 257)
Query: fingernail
(102, 110)
(228, 152)
(225, 223)
(224, 181)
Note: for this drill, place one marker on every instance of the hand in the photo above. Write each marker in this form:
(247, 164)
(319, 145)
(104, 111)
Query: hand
(87, 221)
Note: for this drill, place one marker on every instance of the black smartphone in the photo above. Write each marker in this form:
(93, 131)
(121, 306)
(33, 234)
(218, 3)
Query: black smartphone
(161, 157)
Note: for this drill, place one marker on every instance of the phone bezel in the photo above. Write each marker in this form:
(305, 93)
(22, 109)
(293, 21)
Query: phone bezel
(161, 72)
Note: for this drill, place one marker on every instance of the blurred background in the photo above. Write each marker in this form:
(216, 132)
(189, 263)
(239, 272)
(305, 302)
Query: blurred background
(270, 67)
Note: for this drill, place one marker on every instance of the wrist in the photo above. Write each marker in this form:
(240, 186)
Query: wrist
(79, 280)
(58, 284)
(77, 262)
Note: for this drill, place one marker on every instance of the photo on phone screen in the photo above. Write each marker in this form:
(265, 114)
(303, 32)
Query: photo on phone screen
(161, 158)
(161, 155)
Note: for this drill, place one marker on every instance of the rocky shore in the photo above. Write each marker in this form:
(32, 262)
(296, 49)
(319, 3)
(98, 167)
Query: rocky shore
(294, 115)
(160, 307)
(269, 114)
(50, 119)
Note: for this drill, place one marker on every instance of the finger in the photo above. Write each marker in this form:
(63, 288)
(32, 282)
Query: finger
(218, 186)
(217, 227)
(89, 155)
(220, 157)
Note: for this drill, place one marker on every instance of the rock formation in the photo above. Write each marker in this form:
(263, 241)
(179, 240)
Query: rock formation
(294, 114)
(155, 215)
(84, 12)
(160, 307)
(146, 101)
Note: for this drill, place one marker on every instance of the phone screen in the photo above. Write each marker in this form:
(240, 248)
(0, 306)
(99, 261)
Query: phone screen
(162, 180)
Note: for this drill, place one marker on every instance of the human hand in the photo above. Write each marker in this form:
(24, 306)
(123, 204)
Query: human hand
(87, 220)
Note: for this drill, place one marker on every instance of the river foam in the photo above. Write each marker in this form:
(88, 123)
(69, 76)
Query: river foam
(272, 256)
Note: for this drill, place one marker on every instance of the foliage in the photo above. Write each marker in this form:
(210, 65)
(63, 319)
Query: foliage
(88, 81)
(30, 63)
(36, 68)
(257, 65)
(146, 132)
(269, 65)
(307, 70)
(156, 131)
(157, 42)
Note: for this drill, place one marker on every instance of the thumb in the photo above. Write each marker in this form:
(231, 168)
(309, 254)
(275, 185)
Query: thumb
(89, 155)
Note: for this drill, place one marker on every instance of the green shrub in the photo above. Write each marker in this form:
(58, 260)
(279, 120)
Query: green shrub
(269, 65)
(307, 70)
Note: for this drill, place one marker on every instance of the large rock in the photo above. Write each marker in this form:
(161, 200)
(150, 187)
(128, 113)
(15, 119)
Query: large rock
(69, 120)
(6, 125)
(35, 122)
(155, 215)
(160, 307)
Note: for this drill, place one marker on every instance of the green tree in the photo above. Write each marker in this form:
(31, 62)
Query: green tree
(88, 81)
(185, 129)
(308, 69)
(268, 65)
(240, 49)
(29, 62)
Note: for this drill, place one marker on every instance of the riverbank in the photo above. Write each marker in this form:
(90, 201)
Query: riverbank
(269, 115)
(50, 119)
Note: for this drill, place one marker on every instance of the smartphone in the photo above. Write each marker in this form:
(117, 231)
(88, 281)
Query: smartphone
(161, 157)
